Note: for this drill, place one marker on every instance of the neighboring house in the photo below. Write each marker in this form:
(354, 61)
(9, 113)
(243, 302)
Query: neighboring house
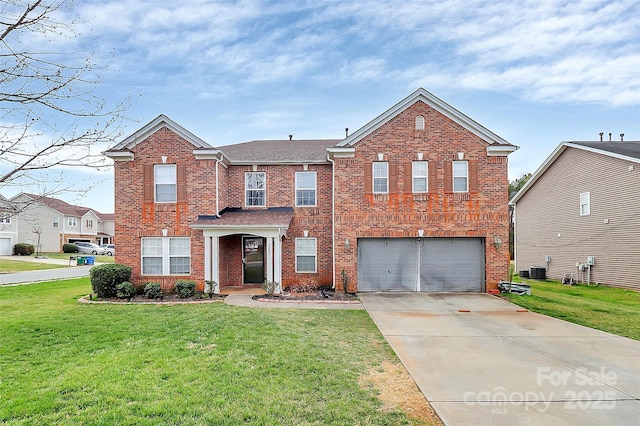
(8, 227)
(581, 203)
(58, 222)
(414, 200)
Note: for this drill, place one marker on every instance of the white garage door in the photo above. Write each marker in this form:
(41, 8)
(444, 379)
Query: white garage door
(5, 246)
(431, 264)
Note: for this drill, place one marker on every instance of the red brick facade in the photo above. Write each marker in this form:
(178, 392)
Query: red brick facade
(208, 183)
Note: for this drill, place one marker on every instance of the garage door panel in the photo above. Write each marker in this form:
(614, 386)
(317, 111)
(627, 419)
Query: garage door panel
(440, 264)
(5, 246)
(387, 264)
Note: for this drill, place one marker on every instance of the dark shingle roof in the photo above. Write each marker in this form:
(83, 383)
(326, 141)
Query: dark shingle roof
(64, 207)
(629, 149)
(232, 217)
(279, 151)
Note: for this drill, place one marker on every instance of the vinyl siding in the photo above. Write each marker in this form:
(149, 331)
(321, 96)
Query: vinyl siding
(548, 220)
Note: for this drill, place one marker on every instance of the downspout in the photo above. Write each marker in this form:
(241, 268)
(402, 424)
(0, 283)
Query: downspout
(333, 218)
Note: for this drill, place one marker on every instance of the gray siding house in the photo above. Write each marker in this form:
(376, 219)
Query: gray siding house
(579, 214)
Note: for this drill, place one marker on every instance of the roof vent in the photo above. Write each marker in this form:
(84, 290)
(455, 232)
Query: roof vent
(621, 137)
(346, 132)
(609, 136)
(601, 133)
(290, 137)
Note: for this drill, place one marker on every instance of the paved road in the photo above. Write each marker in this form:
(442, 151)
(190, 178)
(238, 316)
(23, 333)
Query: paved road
(479, 361)
(45, 274)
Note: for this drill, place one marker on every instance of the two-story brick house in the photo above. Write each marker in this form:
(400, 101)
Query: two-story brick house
(414, 200)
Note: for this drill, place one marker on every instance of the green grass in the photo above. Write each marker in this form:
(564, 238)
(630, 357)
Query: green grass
(604, 308)
(7, 266)
(65, 256)
(62, 362)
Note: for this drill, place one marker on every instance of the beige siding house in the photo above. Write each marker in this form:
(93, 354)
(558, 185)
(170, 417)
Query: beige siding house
(59, 222)
(8, 227)
(579, 214)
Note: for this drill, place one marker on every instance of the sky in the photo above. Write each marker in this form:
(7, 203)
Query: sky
(534, 72)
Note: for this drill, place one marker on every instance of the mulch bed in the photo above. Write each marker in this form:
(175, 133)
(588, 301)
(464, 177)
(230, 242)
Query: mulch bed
(166, 298)
(311, 296)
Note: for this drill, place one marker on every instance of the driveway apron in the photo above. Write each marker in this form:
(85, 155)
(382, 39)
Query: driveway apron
(481, 360)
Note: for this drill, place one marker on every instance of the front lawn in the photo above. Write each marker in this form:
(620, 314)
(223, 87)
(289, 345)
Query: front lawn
(7, 266)
(604, 308)
(71, 363)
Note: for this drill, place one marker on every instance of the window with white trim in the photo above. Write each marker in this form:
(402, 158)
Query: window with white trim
(89, 224)
(460, 176)
(420, 175)
(56, 222)
(164, 178)
(255, 188)
(306, 254)
(420, 122)
(305, 189)
(166, 255)
(585, 204)
(380, 177)
(5, 218)
(72, 221)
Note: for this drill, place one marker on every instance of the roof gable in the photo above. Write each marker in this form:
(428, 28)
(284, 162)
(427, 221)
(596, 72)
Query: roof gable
(434, 102)
(153, 126)
(629, 151)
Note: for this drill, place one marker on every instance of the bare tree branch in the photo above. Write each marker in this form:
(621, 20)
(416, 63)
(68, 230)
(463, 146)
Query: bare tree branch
(51, 114)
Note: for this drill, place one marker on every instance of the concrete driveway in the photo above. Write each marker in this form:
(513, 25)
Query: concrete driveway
(480, 361)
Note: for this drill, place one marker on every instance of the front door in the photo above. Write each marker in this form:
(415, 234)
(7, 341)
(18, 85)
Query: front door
(253, 259)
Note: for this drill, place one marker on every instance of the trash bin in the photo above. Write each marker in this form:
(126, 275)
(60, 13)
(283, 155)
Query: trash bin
(80, 260)
(90, 260)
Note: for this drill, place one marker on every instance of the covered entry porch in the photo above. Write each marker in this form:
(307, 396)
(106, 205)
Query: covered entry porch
(243, 248)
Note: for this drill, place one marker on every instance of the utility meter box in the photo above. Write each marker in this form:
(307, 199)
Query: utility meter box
(591, 260)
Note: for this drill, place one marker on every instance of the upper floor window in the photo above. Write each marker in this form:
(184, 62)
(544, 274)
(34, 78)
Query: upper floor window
(72, 221)
(56, 222)
(164, 178)
(420, 176)
(419, 122)
(306, 253)
(5, 218)
(255, 188)
(381, 177)
(305, 188)
(89, 223)
(166, 255)
(460, 176)
(585, 204)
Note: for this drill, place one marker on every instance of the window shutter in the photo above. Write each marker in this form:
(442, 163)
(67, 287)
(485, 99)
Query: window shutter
(473, 175)
(393, 178)
(181, 181)
(433, 177)
(368, 177)
(148, 184)
(448, 176)
(408, 177)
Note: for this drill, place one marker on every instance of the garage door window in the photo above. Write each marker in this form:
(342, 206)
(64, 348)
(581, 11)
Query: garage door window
(306, 254)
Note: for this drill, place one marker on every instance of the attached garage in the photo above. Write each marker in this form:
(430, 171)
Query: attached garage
(425, 264)
(5, 246)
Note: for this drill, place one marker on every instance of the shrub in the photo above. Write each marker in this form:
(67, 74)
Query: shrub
(23, 249)
(185, 288)
(269, 287)
(105, 278)
(125, 290)
(153, 291)
(69, 248)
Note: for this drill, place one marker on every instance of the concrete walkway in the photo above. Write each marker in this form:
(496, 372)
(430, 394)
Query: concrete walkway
(480, 360)
(28, 277)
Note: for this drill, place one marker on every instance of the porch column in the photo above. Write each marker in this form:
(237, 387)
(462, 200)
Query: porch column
(269, 258)
(277, 262)
(207, 259)
(214, 262)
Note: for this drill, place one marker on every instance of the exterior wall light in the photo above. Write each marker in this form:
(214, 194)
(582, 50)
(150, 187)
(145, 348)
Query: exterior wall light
(497, 242)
